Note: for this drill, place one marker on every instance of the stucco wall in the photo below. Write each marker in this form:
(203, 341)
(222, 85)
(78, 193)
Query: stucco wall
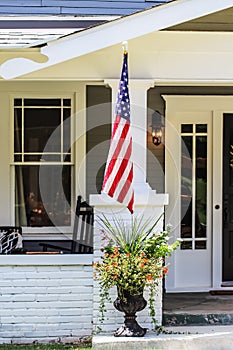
(45, 298)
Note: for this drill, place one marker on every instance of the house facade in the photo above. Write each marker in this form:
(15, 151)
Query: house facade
(57, 104)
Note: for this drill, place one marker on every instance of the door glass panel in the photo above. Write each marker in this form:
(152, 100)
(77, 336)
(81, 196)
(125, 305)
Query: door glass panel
(193, 186)
(186, 187)
(201, 185)
(186, 245)
(200, 245)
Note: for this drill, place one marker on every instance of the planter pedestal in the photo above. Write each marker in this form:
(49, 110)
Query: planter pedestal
(130, 304)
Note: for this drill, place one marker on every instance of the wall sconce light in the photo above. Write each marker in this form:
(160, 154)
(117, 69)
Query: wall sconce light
(157, 125)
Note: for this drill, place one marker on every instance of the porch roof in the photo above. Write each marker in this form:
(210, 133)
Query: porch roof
(169, 15)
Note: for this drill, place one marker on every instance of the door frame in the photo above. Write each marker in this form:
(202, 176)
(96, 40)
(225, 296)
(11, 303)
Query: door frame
(217, 106)
(217, 198)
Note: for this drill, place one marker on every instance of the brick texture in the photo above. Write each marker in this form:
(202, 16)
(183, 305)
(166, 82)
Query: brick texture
(42, 303)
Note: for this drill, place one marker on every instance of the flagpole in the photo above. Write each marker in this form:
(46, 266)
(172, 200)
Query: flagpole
(125, 51)
(118, 175)
(125, 46)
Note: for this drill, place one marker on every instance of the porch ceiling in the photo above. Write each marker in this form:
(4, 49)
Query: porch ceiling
(221, 21)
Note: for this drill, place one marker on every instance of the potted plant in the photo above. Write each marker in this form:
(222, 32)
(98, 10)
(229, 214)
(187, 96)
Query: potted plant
(133, 257)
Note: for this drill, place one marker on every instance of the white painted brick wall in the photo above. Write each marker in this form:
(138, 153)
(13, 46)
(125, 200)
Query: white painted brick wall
(50, 298)
(45, 302)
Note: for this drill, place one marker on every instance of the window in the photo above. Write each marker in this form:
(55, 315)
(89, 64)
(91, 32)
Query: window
(194, 186)
(43, 161)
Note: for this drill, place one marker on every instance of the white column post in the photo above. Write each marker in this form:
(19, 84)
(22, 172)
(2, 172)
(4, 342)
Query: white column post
(147, 202)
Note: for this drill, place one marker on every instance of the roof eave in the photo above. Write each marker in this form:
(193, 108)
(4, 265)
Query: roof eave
(114, 32)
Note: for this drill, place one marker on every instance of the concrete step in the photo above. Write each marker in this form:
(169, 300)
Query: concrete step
(202, 319)
(172, 338)
(197, 309)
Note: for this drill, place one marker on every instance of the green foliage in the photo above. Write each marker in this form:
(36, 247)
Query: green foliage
(133, 258)
(45, 347)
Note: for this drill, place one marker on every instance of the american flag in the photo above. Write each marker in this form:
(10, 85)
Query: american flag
(119, 168)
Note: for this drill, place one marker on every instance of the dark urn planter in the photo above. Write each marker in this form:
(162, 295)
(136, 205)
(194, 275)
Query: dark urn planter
(130, 304)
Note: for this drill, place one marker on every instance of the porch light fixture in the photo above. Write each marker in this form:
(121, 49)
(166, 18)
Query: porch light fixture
(157, 125)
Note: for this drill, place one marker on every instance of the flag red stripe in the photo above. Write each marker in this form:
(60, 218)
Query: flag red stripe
(116, 151)
(121, 170)
(127, 185)
(130, 204)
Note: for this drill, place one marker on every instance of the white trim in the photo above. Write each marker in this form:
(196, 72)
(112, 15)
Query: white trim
(58, 18)
(32, 232)
(217, 198)
(115, 32)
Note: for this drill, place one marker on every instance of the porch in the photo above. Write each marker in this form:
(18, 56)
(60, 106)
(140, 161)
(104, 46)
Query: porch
(198, 309)
(192, 321)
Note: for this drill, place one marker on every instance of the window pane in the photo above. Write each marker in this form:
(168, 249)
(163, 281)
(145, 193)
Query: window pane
(42, 158)
(42, 102)
(186, 187)
(66, 126)
(39, 124)
(43, 195)
(200, 245)
(18, 130)
(18, 102)
(186, 128)
(201, 128)
(67, 102)
(17, 158)
(201, 186)
(186, 245)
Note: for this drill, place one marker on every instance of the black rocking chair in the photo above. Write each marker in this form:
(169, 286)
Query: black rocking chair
(11, 241)
(82, 239)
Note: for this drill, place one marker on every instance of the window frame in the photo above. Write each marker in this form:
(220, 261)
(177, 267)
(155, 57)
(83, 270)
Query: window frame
(44, 231)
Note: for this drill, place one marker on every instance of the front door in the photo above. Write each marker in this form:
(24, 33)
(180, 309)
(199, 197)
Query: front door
(227, 197)
(189, 184)
(199, 180)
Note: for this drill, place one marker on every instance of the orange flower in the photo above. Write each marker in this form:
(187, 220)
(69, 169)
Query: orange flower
(145, 260)
(142, 265)
(128, 254)
(143, 254)
(95, 276)
(115, 250)
(165, 270)
(115, 276)
(149, 277)
(107, 268)
(115, 264)
(95, 264)
(106, 255)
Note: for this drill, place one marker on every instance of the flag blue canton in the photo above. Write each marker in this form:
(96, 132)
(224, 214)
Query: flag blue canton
(123, 101)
